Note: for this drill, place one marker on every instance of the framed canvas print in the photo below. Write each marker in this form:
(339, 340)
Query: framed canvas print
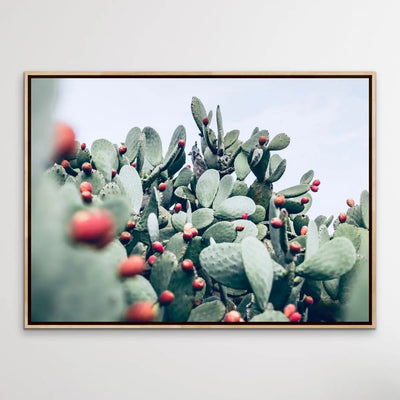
(199, 200)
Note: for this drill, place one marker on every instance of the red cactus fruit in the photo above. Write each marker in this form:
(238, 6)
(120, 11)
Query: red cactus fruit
(181, 143)
(83, 146)
(141, 311)
(239, 228)
(187, 236)
(198, 284)
(295, 317)
(133, 265)
(233, 316)
(64, 140)
(194, 232)
(87, 168)
(130, 225)
(206, 121)
(317, 182)
(262, 140)
(178, 207)
(125, 237)
(314, 188)
(276, 222)
(85, 187)
(188, 166)
(113, 173)
(87, 196)
(279, 200)
(65, 164)
(188, 227)
(289, 310)
(303, 230)
(162, 186)
(350, 202)
(304, 200)
(166, 298)
(133, 165)
(309, 300)
(295, 247)
(342, 217)
(187, 265)
(157, 246)
(93, 227)
(197, 302)
(245, 216)
(122, 150)
(151, 259)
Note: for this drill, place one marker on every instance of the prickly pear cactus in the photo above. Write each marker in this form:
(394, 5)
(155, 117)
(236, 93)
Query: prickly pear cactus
(127, 233)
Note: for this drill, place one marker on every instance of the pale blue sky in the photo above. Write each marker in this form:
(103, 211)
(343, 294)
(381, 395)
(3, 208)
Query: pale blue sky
(326, 119)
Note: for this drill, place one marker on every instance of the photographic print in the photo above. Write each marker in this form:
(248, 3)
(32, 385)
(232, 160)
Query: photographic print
(199, 200)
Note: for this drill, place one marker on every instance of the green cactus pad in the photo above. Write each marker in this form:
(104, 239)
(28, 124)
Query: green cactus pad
(153, 146)
(235, 207)
(210, 158)
(258, 215)
(194, 249)
(354, 216)
(251, 143)
(307, 177)
(138, 288)
(259, 168)
(276, 173)
(212, 311)
(332, 287)
(364, 204)
(152, 207)
(261, 193)
(82, 156)
(132, 143)
(130, 180)
(270, 316)
(57, 174)
(184, 177)
(177, 245)
(299, 221)
(178, 221)
(179, 134)
(324, 236)
(231, 137)
(312, 240)
(332, 260)
(198, 112)
(261, 231)
(293, 207)
(207, 187)
(350, 232)
(202, 218)
(250, 229)
(239, 189)
(161, 271)
(181, 285)
(185, 193)
(295, 191)
(105, 157)
(221, 232)
(152, 227)
(224, 190)
(275, 233)
(242, 167)
(258, 267)
(109, 191)
(279, 142)
(223, 262)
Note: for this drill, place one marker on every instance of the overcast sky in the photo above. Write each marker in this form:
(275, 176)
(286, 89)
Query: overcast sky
(326, 119)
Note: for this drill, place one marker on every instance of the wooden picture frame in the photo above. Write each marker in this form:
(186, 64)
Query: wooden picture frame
(369, 77)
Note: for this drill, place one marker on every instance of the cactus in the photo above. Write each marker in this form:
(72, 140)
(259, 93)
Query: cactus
(213, 249)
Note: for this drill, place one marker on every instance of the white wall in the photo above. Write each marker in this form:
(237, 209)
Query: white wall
(205, 35)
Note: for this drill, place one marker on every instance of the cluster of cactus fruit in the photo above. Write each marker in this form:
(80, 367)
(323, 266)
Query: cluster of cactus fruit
(132, 235)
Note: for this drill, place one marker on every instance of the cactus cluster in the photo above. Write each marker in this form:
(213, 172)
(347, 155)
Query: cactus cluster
(127, 233)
